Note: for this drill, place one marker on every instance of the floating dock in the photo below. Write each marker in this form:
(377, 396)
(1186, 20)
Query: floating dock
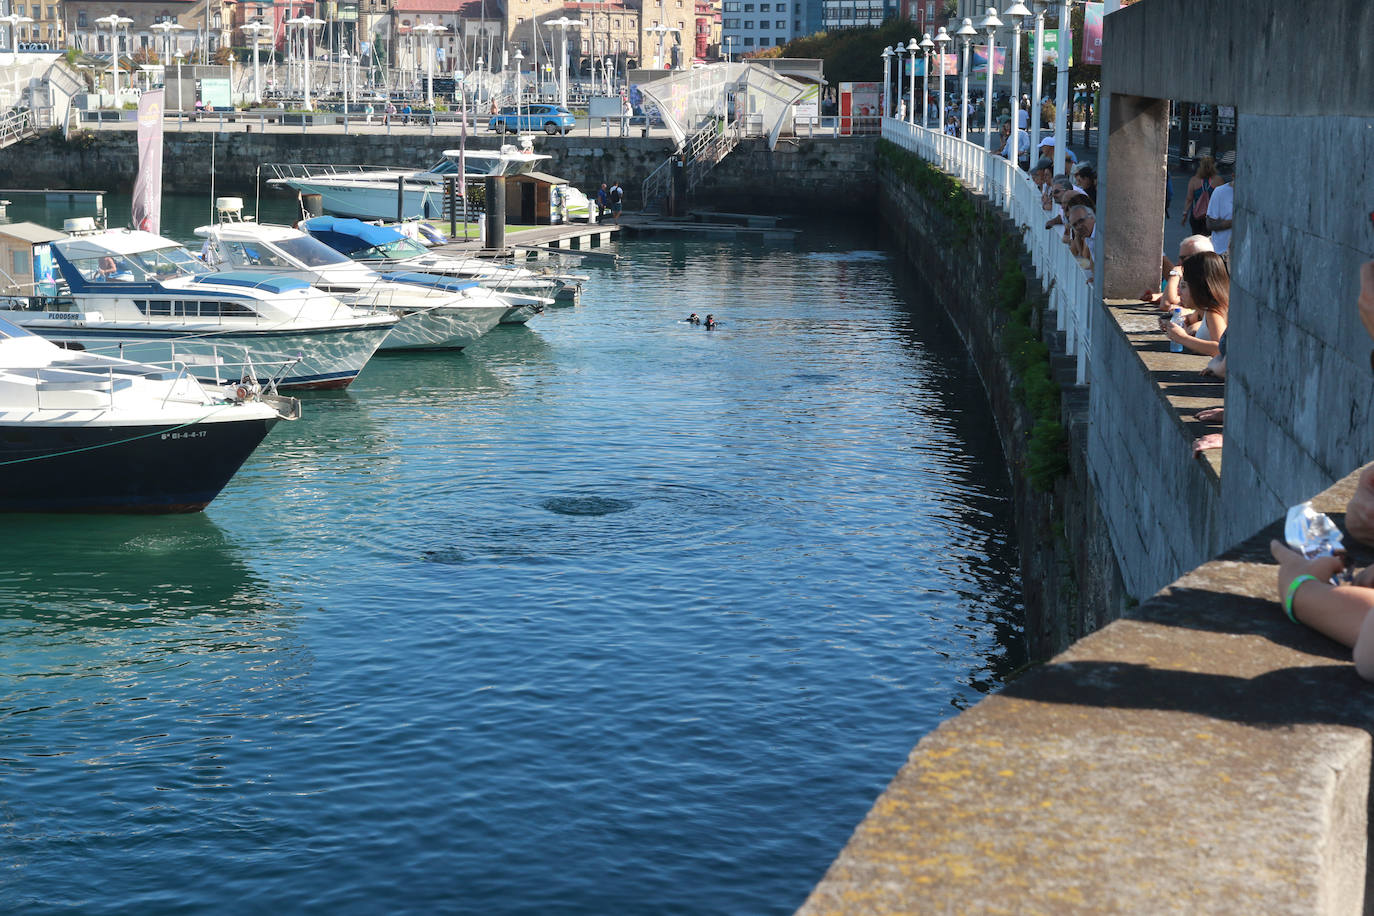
(541, 241)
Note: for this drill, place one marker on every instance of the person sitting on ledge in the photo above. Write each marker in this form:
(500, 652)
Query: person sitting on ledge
(1340, 612)
(1359, 515)
(1206, 286)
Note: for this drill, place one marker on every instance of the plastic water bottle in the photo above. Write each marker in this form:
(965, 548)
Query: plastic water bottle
(1177, 321)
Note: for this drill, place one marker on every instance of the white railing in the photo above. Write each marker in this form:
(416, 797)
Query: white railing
(1069, 286)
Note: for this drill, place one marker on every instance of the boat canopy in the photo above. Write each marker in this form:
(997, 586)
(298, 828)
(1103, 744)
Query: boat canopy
(252, 280)
(350, 235)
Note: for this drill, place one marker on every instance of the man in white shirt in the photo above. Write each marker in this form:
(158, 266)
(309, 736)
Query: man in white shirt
(1220, 211)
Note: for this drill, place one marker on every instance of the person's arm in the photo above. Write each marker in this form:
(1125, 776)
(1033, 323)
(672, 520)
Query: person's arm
(1180, 336)
(1339, 612)
(1216, 223)
(1366, 300)
(1188, 201)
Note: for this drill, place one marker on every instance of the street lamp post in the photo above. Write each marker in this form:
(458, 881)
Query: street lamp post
(519, 89)
(1038, 77)
(1061, 94)
(256, 28)
(941, 39)
(306, 23)
(180, 56)
(562, 24)
(343, 61)
(912, 46)
(430, 29)
(113, 21)
(966, 32)
(14, 19)
(899, 49)
(1018, 12)
(990, 25)
(926, 45)
(729, 43)
(608, 71)
(887, 80)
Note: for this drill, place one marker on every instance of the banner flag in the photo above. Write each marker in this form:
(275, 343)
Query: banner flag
(147, 202)
(1092, 33)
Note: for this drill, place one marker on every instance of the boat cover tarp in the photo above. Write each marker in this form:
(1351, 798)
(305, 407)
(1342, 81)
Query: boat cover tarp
(433, 281)
(349, 235)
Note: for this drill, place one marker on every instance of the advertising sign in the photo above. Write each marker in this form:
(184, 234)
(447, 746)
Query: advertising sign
(215, 92)
(1051, 49)
(807, 109)
(980, 61)
(1092, 33)
(861, 107)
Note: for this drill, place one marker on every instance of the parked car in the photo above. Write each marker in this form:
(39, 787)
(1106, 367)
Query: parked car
(552, 119)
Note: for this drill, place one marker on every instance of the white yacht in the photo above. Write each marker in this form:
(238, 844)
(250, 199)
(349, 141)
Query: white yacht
(370, 192)
(395, 254)
(81, 432)
(436, 315)
(139, 296)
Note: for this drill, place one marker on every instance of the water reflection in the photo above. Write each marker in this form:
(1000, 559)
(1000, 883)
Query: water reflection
(71, 573)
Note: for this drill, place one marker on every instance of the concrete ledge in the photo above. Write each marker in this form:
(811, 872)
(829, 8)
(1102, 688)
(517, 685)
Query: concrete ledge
(1200, 755)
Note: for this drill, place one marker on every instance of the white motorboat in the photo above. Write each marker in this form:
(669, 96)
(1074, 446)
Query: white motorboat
(81, 432)
(370, 192)
(395, 254)
(140, 296)
(435, 315)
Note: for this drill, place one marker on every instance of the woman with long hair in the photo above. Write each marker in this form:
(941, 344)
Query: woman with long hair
(1204, 287)
(1200, 188)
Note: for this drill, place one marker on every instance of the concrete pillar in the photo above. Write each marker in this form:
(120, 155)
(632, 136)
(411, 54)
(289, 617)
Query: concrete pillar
(496, 212)
(1130, 208)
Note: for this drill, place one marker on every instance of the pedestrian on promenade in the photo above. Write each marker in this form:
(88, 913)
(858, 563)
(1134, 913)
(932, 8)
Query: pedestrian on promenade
(617, 197)
(405, 114)
(1205, 179)
(1220, 210)
(603, 202)
(389, 112)
(368, 111)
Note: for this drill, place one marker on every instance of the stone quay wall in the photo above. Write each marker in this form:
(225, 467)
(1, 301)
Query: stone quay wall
(801, 175)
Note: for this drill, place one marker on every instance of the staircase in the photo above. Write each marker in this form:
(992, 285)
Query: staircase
(711, 143)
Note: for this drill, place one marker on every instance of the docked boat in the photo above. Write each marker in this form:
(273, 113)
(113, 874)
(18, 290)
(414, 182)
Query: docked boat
(81, 432)
(370, 192)
(432, 313)
(139, 296)
(392, 252)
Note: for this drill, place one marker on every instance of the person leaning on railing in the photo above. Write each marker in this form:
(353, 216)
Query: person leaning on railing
(1306, 593)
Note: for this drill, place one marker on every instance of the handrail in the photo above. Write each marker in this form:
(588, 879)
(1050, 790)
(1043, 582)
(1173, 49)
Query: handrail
(1010, 189)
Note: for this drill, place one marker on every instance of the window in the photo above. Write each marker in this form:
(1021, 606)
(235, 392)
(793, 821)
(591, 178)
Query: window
(748, 41)
(23, 263)
(731, 23)
(20, 9)
(632, 48)
(616, 22)
(749, 24)
(732, 6)
(781, 41)
(748, 7)
(796, 26)
(81, 19)
(587, 46)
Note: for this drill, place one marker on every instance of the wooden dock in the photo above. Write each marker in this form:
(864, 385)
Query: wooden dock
(710, 224)
(542, 241)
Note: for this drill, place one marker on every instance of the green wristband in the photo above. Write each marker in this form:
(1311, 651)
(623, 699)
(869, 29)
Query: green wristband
(1293, 590)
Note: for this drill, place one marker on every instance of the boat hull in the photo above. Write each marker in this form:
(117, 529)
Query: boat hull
(443, 328)
(318, 358)
(144, 468)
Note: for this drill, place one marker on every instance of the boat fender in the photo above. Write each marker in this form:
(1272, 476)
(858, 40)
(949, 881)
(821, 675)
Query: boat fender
(242, 392)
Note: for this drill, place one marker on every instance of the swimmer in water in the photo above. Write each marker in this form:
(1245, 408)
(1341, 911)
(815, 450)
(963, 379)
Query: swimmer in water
(710, 322)
(693, 319)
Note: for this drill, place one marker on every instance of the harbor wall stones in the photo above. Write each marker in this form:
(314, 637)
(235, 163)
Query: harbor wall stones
(802, 175)
(1070, 576)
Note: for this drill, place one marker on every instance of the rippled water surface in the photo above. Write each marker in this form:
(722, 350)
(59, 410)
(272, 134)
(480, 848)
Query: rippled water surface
(610, 614)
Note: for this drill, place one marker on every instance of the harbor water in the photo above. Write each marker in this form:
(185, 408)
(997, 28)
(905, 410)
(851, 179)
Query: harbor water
(608, 614)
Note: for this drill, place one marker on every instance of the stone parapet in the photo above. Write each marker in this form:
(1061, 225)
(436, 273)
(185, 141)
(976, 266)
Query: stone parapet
(1201, 755)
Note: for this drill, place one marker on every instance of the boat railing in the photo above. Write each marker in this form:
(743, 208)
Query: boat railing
(1010, 189)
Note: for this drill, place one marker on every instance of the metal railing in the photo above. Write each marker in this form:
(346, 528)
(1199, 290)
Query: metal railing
(1069, 286)
(15, 125)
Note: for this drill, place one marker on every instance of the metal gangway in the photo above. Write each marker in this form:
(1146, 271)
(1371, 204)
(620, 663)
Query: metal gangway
(708, 111)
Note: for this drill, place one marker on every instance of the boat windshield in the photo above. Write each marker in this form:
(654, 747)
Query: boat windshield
(399, 250)
(172, 261)
(12, 330)
(311, 251)
(443, 167)
(306, 250)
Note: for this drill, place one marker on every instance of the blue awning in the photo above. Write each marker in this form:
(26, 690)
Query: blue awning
(349, 235)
